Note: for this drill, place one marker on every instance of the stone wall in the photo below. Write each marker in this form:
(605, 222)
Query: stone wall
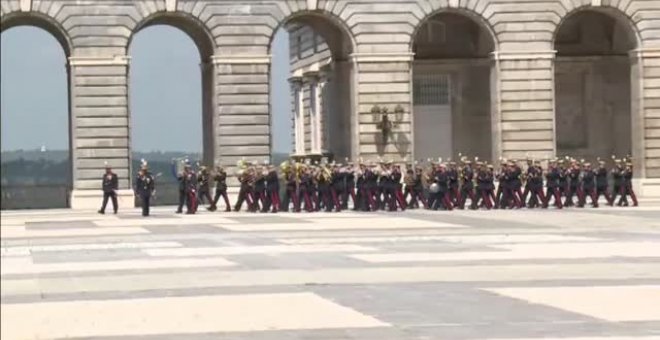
(374, 37)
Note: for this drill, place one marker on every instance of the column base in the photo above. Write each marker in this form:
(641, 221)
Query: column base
(647, 187)
(92, 199)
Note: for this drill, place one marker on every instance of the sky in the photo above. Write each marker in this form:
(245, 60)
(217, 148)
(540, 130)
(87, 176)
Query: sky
(165, 93)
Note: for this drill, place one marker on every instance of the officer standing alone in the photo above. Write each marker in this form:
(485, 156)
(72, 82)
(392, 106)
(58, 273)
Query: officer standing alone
(110, 186)
(144, 187)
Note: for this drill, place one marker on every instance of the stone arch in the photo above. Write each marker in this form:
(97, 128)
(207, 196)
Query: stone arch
(475, 17)
(332, 28)
(189, 24)
(322, 77)
(203, 39)
(42, 21)
(596, 85)
(453, 91)
(619, 16)
(53, 28)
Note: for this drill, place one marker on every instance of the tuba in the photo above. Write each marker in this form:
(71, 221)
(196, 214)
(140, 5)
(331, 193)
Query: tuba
(241, 167)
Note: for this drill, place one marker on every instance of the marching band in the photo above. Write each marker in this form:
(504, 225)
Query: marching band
(385, 185)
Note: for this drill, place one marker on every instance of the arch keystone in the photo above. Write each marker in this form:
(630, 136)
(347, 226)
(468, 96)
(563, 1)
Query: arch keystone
(596, 3)
(312, 5)
(170, 5)
(26, 5)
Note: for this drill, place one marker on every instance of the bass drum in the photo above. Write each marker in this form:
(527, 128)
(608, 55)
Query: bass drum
(434, 188)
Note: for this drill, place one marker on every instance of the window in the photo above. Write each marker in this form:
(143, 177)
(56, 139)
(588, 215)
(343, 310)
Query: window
(431, 89)
(316, 42)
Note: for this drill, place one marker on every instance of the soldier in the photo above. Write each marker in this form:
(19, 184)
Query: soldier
(485, 185)
(418, 188)
(467, 187)
(204, 181)
(272, 190)
(398, 186)
(573, 179)
(370, 188)
(323, 180)
(442, 196)
(601, 183)
(110, 184)
(221, 188)
(349, 187)
(190, 187)
(535, 182)
(528, 174)
(182, 185)
(515, 184)
(292, 189)
(307, 189)
(360, 194)
(501, 186)
(453, 180)
(337, 185)
(144, 186)
(259, 188)
(552, 185)
(626, 186)
(244, 191)
(617, 177)
(588, 186)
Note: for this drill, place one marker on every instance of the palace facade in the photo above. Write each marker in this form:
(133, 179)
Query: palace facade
(400, 80)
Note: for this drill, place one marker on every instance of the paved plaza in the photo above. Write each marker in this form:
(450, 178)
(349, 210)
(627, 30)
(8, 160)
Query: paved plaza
(580, 274)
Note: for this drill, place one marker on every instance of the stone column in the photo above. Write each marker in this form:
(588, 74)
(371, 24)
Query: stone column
(312, 79)
(645, 112)
(100, 130)
(324, 110)
(385, 80)
(242, 119)
(524, 108)
(298, 121)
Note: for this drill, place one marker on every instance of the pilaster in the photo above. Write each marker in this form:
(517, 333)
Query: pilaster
(383, 80)
(242, 101)
(100, 129)
(524, 107)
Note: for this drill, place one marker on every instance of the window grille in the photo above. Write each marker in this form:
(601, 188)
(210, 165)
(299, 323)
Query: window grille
(431, 89)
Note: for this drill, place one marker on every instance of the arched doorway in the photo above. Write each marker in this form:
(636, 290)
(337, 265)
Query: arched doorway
(171, 101)
(593, 86)
(451, 87)
(35, 113)
(320, 87)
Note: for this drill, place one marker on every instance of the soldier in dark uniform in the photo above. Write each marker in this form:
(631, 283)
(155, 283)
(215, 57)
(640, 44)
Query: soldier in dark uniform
(535, 183)
(220, 178)
(190, 186)
(144, 186)
(617, 177)
(110, 185)
(307, 189)
(370, 189)
(588, 186)
(552, 185)
(501, 185)
(515, 184)
(485, 185)
(244, 178)
(528, 173)
(398, 187)
(563, 178)
(349, 187)
(182, 185)
(467, 186)
(292, 189)
(337, 186)
(627, 187)
(360, 196)
(204, 193)
(573, 178)
(431, 175)
(442, 196)
(418, 188)
(453, 181)
(272, 199)
(602, 184)
(259, 188)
